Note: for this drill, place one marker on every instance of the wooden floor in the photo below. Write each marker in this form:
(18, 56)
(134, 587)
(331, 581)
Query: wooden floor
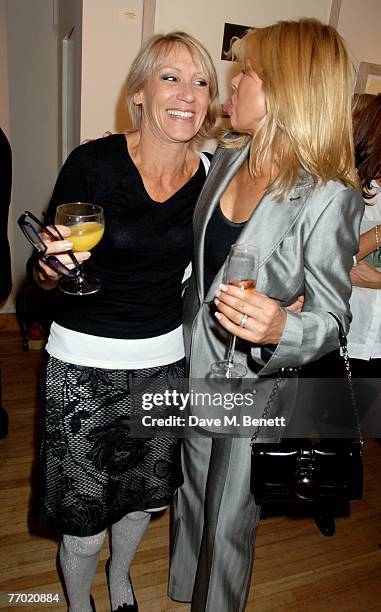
(296, 568)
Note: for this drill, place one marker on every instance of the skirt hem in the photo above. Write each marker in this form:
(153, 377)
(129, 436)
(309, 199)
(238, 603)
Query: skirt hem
(67, 529)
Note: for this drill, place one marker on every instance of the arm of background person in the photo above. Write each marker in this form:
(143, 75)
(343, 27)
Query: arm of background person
(365, 275)
(368, 243)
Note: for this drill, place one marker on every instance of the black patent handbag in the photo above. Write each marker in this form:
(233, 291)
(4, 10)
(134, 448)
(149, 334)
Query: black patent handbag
(299, 470)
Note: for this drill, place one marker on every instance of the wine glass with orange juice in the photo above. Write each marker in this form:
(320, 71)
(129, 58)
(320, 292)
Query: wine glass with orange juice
(86, 222)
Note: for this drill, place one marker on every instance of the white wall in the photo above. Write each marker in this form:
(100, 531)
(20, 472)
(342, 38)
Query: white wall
(112, 32)
(32, 72)
(205, 19)
(359, 23)
(70, 24)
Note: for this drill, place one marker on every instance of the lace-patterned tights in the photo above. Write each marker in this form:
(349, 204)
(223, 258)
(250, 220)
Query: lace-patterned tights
(79, 559)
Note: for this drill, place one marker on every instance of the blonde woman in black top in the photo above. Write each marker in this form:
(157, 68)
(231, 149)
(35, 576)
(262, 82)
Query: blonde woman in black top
(94, 474)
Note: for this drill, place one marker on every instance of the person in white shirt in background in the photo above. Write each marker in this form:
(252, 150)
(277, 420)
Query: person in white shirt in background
(364, 339)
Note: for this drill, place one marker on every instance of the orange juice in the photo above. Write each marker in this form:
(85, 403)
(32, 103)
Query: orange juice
(85, 236)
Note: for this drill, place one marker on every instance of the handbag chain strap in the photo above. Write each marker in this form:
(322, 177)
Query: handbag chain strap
(274, 390)
(269, 403)
(344, 348)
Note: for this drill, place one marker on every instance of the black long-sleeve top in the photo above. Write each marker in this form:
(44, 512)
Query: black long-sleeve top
(144, 250)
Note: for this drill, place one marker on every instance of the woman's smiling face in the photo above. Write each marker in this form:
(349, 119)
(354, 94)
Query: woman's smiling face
(175, 97)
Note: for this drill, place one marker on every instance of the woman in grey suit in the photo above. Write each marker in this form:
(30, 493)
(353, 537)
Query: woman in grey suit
(284, 181)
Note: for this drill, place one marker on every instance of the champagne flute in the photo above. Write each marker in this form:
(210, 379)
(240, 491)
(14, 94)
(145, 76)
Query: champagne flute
(86, 222)
(241, 270)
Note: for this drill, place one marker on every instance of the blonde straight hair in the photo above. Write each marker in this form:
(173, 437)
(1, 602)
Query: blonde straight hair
(149, 58)
(308, 80)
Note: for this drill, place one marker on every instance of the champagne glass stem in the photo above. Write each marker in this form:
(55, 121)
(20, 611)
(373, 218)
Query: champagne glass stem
(231, 349)
(241, 270)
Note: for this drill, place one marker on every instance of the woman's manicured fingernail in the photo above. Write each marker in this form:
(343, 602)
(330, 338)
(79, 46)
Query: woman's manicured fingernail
(217, 293)
(223, 287)
(216, 301)
(217, 315)
(68, 244)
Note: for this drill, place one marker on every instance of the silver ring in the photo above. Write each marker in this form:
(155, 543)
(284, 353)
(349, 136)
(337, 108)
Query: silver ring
(243, 320)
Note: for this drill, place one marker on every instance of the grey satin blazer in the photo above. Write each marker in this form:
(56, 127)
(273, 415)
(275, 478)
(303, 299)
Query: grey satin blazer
(306, 242)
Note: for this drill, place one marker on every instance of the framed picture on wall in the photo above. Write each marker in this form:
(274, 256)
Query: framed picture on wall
(232, 33)
(368, 78)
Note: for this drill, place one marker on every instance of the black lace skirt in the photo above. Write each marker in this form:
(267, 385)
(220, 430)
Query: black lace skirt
(92, 470)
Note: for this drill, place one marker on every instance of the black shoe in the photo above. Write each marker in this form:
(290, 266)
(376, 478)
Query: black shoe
(325, 522)
(125, 607)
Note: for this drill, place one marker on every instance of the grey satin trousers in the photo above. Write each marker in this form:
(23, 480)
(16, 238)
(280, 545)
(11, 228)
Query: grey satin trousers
(214, 526)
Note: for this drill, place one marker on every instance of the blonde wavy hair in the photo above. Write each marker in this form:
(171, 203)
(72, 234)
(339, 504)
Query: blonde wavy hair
(151, 56)
(307, 79)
